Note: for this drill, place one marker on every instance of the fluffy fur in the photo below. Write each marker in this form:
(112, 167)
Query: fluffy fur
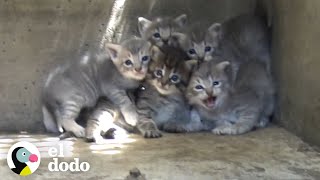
(232, 108)
(159, 30)
(237, 39)
(81, 82)
(161, 104)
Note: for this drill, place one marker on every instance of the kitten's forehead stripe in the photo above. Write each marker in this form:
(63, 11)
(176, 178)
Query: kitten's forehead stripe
(163, 23)
(135, 45)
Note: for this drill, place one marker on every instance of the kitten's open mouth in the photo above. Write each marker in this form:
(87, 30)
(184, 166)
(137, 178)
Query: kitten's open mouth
(210, 101)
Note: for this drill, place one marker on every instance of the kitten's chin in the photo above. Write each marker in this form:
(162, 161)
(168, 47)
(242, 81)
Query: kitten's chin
(160, 44)
(210, 102)
(139, 76)
(164, 91)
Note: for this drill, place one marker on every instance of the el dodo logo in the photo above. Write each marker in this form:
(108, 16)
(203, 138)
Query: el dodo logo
(23, 158)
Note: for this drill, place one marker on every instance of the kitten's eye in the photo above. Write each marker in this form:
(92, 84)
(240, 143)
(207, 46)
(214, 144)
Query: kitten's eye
(207, 49)
(216, 83)
(24, 154)
(158, 73)
(199, 87)
(192, 51)
(174, 78)
(145, 58)
(156, 35)
(128, 62)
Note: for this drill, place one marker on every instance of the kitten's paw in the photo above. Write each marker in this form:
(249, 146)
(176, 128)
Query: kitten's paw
(152, 134)
(78, 131)
(73, 127)
(66, 135)
(224, 130)
(234, 129)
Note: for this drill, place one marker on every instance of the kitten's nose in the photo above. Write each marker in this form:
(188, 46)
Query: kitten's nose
(138, 69)
(163, 82)
(209, 92)
(165, 41)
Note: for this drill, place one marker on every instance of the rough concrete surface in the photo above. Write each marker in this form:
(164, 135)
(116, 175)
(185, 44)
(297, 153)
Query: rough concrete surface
(270, 153)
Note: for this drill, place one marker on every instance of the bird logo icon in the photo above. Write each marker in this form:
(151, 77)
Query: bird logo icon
(23, 158)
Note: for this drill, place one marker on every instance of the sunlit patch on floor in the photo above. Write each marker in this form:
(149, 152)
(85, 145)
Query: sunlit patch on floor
(71, 147)
(111, 146)
(106, 146)
(43, 143)
(109, 152)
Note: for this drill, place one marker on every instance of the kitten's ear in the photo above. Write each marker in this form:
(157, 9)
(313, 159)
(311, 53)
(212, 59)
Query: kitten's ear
(156, 53)
(143, 24)
(181, 20)
(215, 30)
(179, 38)
(192, 64)
(222, 65)
(113, 50)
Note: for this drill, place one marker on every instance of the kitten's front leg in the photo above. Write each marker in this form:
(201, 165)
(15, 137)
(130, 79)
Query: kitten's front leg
(148, 128)
(67, 119)
(146, 125)
(129, 113)
(127, 108)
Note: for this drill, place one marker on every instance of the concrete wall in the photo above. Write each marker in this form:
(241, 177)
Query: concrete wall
(296, 42)
(35, 35)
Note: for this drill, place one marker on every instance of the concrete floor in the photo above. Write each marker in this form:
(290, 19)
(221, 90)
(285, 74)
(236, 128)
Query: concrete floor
(270, 153)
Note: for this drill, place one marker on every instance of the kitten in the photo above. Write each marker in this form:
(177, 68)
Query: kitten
(237, 39)
(196, 41)
(232, 108)
(162, 105)
(159, 31)
(80, 83)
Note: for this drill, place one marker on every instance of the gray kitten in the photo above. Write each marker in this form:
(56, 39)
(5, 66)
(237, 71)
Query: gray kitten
(159, 31)
(161, 104)
(232, 108)
(237, 39)
(80, 83)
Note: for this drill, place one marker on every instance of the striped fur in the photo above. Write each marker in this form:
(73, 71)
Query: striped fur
(159, 30)
(229, 108)
(237, 40)
(81, 82)
(161, 103)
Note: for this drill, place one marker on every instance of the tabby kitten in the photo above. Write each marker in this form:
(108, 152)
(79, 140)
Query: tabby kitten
(159, 31)
(162, 103)
(232, 108)
(80, 83)
(237, 39)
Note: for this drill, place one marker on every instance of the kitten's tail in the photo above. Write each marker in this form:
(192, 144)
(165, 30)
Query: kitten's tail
(49, 121)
